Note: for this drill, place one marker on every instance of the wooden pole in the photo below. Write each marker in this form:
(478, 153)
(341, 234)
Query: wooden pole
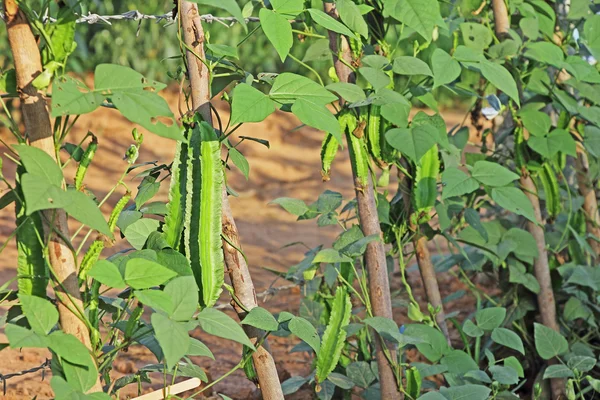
(38, 131)
(237, 267)
(590, 201)
(379, 286)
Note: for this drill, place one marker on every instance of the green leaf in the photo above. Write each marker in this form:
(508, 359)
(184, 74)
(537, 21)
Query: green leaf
(490, 318)
(81, 377)
(513, 363)
(108, 274)
(351, 16)
(504, 375)
(330, 256)
(197, 348)
(581, 363)
(508, 338)
(518, 274)
(137, 232)
(293, 206)
(317, 116)
(288, 8)
(456, 183)
(376, 77)
(173, 338)
(347, 91)
(420, 15)
(157, 299)
(433, 345)
(559, 140)
(69, 348)
(513, 199)
(472, 330)
(40, 164)
(335, 336)
(184, 295)
(536, 122)
(341, 381)
(526, 249)
(558, 371)
(142, 274)
(305, 331)
(464, 392)
(260, 318)
(388, 329)
(20, 337)
(41, 314)
(250, 104)
(445, 68)
(492, 174)
(240, 161)
(499, 76)
(545, 52)
(406, 65)
(476, 36)
(592, 37)
(327, 22)
(72, 97)
(413, 142)
(278, 30)
(222, 50)
(360, 373)
(289, 87)
(548, 342)
(458, 362)
(109, 78)
(81, 207)
(217, 323)
(318, 51)
(231, 6)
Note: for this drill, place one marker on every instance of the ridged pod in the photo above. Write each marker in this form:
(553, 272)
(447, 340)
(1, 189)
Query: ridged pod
(335, 334)
(425, 185)
(249, 369)
(359, 156)
(551, 190)
(173, 226)
(374, 139)
(520, 151)
(329, 149)
(85, 162)
(202, 236)
(32, 271)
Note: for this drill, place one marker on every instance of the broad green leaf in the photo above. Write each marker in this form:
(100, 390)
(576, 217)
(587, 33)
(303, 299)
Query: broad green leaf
(545, 52)
(376, 77)
(513, 363)
(142, 274)
(591, 32)
(548, 342)
(293, 206)
(433, 346)
(351, 16)
(536, 122)
(464, 392)
(240, 161)
(456, 183)
(472, 330)
(137, 232)
(109, 78)
(518, 274)
(575, 309)
(173, 338)
(490, 318)
(20, 337)
(184, 295)
(222, 50)
(38, 163)
(504, 375)
(347, 91)
(327, 22)
(476, 36)
(72, 97)
(558, 371)
(514, 200)
(508, 338)
(69, 347)
(360, 373)
(458, 362)
(197, 348)
(278, 30)
(81, 207)
(559, 140)
(579, 9)
(341, 381)
(330, 256)
(250, 105)
(217, 323)
(499, 76)
(288, 8)
(388, 329)
(317, 116)
(231, 6)
(581, 363)
(260, 318)
(305, 331)
(318, 51)
(445, 68)
(288, 87)
(157, 299)
(526, 249)
(405, 65)
(413, 142)
(81, 377)
(108, 274)
(41, 314)
(492, 174)
(420, 15)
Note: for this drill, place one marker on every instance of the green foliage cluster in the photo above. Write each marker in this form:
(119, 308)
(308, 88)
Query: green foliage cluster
(536, 78)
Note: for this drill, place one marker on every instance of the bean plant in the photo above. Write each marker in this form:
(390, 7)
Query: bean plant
(516, 208)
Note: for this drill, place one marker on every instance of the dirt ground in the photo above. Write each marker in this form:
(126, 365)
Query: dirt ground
(290, 167)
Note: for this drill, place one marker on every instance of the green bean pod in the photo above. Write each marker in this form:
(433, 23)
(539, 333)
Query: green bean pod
(85, 162)
(174, 219)
(329, 149)
(374, 135)
(425, 185)
(359, 157)
(551, 190)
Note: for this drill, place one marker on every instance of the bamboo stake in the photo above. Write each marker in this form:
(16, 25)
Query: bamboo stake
(38, 131)
(590, 204)
(236, 264)
(379, 287)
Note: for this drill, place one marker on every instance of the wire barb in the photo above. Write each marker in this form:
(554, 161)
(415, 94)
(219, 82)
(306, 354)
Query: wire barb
(4, 378)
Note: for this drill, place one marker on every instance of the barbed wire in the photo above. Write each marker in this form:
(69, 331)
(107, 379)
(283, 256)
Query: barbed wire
(264, 294)
(4, 378)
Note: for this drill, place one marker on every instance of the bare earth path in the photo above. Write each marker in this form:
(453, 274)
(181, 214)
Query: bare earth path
(291, 168)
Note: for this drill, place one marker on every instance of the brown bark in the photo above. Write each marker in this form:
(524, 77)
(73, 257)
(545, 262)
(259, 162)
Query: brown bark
(590, 204)
(501, 18)
(38, 131)
(379, 286)
(236, 264)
